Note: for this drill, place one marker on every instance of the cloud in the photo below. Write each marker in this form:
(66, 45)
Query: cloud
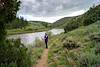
(52, 19)
(77, 13)
(52, 8)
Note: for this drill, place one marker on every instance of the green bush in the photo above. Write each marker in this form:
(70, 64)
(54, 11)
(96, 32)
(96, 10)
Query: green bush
(14, 54)
(70, 44)
(71, 26)
(95, 37)
(28, 29)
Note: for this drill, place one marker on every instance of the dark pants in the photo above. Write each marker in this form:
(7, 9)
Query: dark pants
(46, 44)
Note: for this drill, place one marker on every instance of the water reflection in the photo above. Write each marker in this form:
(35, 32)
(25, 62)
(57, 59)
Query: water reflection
(30, 38)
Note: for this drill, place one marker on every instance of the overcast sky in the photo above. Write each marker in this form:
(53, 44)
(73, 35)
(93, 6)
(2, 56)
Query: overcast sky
(53, 10)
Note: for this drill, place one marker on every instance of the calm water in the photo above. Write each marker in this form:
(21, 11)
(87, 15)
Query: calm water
(29, 38)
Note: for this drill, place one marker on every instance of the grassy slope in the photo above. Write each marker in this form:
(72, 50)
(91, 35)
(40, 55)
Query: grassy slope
(62, 22)
(91, 16)
(83, 56)
(31, 27)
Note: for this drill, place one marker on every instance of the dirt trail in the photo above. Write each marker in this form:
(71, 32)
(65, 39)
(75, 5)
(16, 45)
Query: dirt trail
(43, 62)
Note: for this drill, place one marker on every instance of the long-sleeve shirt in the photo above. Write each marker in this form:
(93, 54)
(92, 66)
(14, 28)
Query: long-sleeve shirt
(46, 38)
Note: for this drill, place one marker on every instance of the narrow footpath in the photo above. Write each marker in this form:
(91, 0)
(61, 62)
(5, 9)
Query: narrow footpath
(43, 62)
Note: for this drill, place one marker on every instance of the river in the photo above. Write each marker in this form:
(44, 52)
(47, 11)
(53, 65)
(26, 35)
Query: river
(29, 38)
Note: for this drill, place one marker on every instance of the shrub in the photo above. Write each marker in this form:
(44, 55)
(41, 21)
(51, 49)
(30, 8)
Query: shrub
(97, 51)
(29, 29)
(97, 48)
(71, 26)
(95, 37)
(14, 54)
(70, 44)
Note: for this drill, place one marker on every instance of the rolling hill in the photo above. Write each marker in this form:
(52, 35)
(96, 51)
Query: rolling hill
(91, 16)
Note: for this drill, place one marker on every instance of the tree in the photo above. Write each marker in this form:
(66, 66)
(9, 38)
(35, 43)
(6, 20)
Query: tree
(8, 10)
(12, 52)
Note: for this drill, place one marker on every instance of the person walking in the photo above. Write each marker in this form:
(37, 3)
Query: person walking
(46, 40)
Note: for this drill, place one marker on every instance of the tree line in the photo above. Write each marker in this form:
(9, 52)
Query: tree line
(12, 52)
(17, 23)
(91, 16)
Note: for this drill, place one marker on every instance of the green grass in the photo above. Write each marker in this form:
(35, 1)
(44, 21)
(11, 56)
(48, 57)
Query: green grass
(36, 54)
(83, 56)
(37, 51)
(30, 28)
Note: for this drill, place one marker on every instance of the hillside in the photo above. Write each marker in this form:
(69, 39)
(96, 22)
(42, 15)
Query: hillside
(40, 23)
(91, 16)
(79, 48)
(61, 22)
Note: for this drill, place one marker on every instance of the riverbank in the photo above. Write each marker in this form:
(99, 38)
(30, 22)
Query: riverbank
(30, 28)
(23, 31)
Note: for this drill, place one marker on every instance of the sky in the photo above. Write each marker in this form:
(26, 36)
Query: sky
(53, 10)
